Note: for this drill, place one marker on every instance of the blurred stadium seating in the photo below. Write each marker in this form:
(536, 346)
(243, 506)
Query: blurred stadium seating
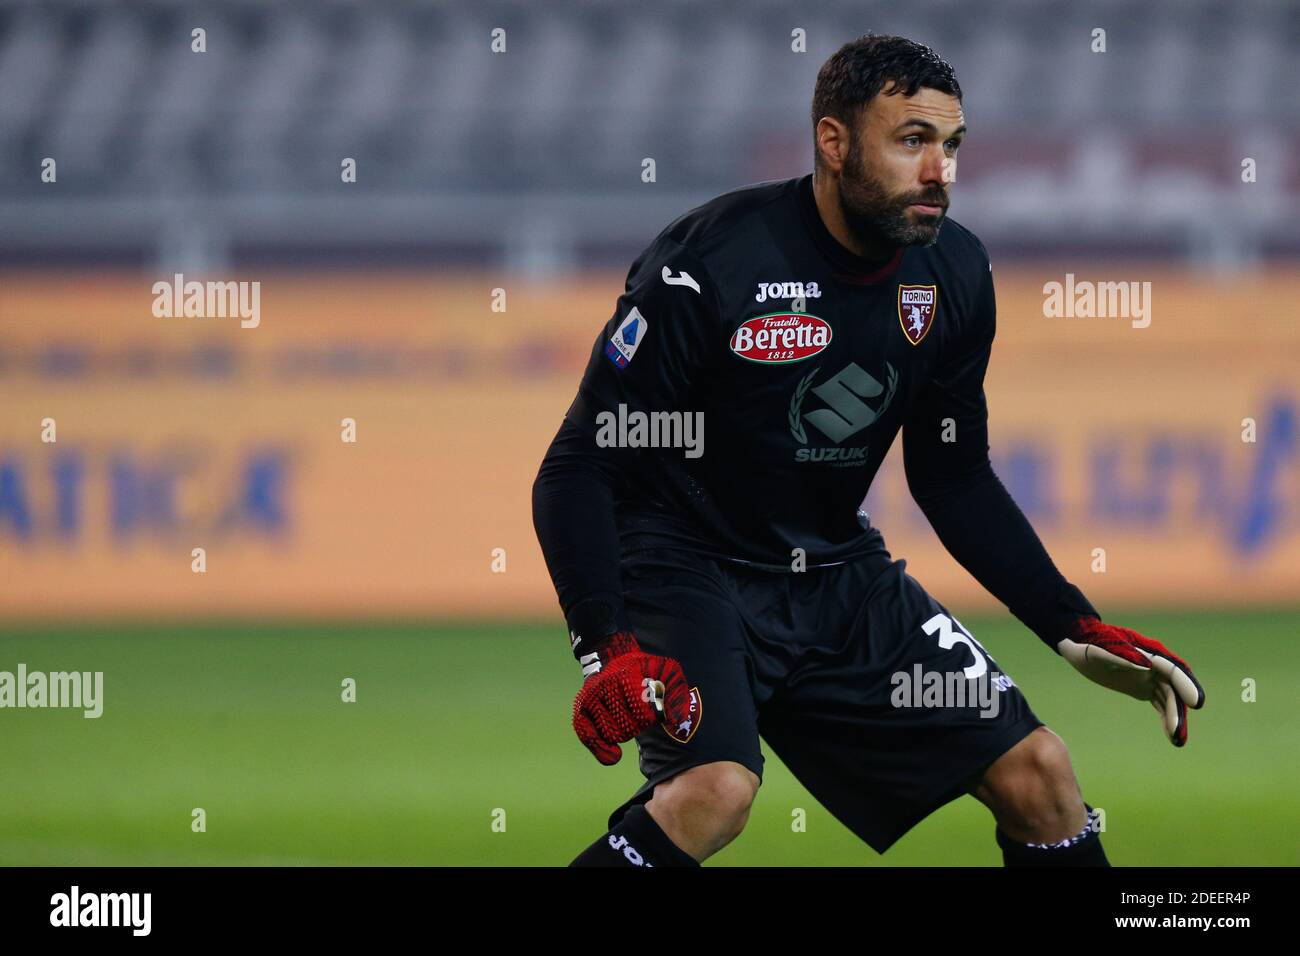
(532, 156)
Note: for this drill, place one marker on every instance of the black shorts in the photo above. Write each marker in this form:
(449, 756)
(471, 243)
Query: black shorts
(863, 684)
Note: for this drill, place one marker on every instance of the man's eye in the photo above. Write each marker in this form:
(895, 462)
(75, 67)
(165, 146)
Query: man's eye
(912, 139)
(953, 144)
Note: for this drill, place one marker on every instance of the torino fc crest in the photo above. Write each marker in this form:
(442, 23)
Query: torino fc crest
(916, 308)
(684, 731)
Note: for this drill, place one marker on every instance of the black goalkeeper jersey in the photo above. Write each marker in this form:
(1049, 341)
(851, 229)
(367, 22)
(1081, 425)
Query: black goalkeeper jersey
(749, 384)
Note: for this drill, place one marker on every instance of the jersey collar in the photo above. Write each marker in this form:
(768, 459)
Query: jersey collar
(848, 266)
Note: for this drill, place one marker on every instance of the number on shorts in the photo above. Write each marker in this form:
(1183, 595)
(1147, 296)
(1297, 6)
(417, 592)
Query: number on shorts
(943, 625)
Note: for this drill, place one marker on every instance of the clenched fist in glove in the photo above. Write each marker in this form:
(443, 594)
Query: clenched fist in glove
(1124, 660)
(626, 691)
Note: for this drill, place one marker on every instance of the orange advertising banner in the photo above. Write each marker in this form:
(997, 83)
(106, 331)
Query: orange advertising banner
(154, 462)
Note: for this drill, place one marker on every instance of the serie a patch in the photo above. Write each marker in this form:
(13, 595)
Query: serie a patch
(626, 339)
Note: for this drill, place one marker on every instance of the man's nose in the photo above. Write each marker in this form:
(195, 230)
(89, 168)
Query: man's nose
(934, 167)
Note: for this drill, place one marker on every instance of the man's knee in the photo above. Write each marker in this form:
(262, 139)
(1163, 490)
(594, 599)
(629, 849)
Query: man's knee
(706, 807)
(1032, 791)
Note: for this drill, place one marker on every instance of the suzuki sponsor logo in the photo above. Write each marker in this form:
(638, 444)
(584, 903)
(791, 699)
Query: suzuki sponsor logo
(787, 290)
(841, 456)
(781, 337)
(846, 412)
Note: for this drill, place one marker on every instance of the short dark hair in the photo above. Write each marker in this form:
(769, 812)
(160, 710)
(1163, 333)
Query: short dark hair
(859, 70)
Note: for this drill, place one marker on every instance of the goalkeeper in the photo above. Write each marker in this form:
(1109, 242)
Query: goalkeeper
(728, 588)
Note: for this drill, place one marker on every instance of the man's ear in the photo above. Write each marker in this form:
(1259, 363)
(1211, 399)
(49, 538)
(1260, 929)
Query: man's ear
(832, 139)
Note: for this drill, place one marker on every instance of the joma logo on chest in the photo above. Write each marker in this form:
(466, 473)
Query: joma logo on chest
(787, 290)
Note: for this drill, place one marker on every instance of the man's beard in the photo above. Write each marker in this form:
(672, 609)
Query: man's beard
(876, 217)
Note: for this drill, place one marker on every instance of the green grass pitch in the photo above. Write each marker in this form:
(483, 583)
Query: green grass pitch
(456, 722)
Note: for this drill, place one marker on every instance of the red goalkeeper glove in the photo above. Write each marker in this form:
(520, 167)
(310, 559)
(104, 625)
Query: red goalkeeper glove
(626, 692)
(1124, 660)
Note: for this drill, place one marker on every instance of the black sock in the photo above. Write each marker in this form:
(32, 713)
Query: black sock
(636, 841)
(1081, 850)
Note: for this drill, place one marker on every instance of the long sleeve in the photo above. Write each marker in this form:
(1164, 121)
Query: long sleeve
(573, 514)
(646, 359)
(950, 476)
